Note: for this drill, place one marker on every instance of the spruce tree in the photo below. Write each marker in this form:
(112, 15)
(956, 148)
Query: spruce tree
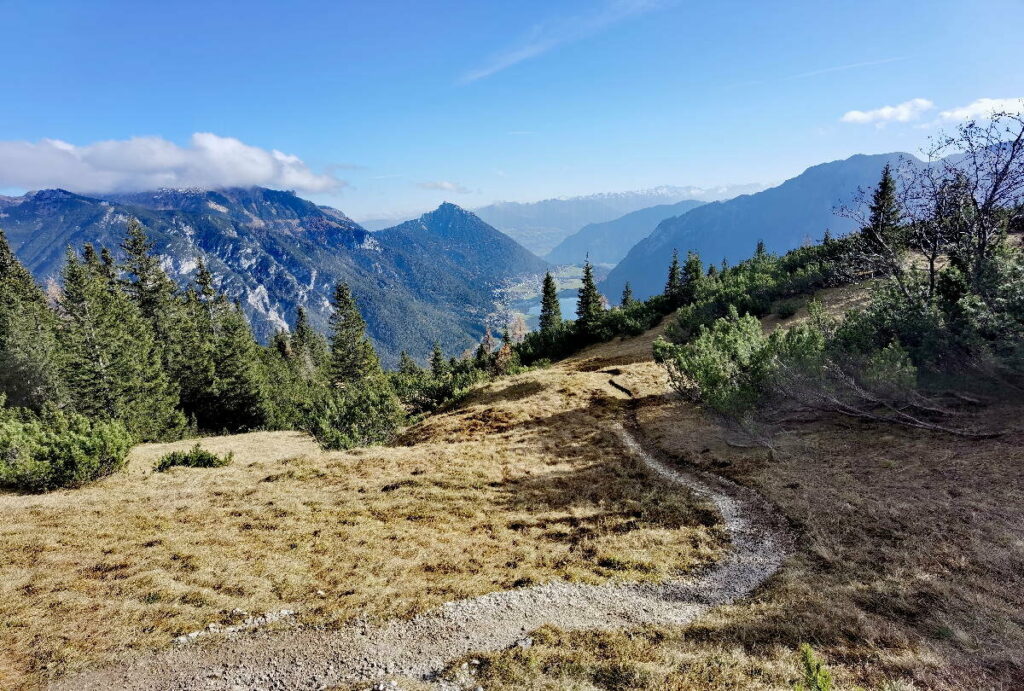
(148, 284)
(353, 358)
(438, 365)
(550, 308)
(627, 295)
(674, 283)
(760, 252)
(29, 375)
(883, 241)
(309, 347)
(198, 342)
(884, 209)
(693, 272)
(111, 363)
(237, 398)
(588, 303)
(408, 366)
(158, 300)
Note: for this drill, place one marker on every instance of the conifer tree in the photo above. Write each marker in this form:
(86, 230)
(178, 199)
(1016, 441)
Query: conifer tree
(148, 285)
(438, 365)
(408, 366)
(111, 363)
(29, 375)
(693, 272)
(486, 347)
(627, 295)
(309, 347)
(674, 284)
(550, 308)
(760, 252)
(237, 398)
(884, 239)
(712, 271)
(198, 342)
(353, 358)
(157, 297)
(589, 303)
(884, 209)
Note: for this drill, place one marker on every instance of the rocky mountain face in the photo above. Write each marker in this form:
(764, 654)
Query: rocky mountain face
(795, 212)
(609, 242)
(425, 280)
(540, 226)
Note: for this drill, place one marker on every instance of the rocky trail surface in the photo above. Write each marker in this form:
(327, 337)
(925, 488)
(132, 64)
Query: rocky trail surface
(423, 646)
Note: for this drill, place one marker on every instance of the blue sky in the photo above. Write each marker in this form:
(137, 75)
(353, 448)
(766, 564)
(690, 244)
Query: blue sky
(387, 108)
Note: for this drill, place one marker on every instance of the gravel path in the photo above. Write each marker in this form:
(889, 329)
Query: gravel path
(422, 646)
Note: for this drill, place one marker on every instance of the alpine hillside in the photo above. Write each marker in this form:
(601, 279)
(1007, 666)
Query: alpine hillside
(426, 280)
(796, 212)
(609, 242)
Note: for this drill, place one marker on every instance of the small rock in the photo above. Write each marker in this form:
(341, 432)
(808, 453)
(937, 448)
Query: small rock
(525, 642)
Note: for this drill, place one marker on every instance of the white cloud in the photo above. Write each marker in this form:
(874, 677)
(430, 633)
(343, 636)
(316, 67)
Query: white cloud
(984, 108)
(903, 112)
(555, 32)
(143, 163)
(443, 186)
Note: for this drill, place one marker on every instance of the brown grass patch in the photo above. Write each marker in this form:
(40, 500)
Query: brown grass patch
(909, 571)
(522, 484)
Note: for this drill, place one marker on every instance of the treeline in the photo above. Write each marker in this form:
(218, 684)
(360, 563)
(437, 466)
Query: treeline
(119, 353)
(697, 296)
(946, 311)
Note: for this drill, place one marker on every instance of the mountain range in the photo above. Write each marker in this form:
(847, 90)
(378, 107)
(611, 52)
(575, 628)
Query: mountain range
(609, 242)
(429, 279)
(784, 217)
(540, 226)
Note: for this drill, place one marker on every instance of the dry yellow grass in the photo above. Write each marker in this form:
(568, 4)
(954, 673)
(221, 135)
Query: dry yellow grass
(522, 484)
(909, 572)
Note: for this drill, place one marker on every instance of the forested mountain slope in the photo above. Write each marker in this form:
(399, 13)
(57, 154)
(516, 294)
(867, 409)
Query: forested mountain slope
(794, 213)
(273, 252)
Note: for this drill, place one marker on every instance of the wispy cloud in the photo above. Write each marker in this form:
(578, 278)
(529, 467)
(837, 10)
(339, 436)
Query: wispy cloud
(843, 68)
(208, 161)
(902, 112)
(443, 186)
(824, 70)
(984, 108)
(555, 32)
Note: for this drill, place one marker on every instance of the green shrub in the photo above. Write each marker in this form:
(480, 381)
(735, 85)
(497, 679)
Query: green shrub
(722, 367)
(55, 450)
(731, 365)
(356, 415)
(816, 675)
(787, 308)
(196, 457)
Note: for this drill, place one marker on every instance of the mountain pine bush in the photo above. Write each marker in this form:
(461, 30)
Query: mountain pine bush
(196, 457)
(55, 450)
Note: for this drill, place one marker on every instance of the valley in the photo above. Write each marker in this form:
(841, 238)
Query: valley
(524, 483)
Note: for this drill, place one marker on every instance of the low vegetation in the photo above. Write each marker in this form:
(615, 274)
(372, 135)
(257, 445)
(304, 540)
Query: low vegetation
(946, 315)
(57, 450)
(196, 457)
